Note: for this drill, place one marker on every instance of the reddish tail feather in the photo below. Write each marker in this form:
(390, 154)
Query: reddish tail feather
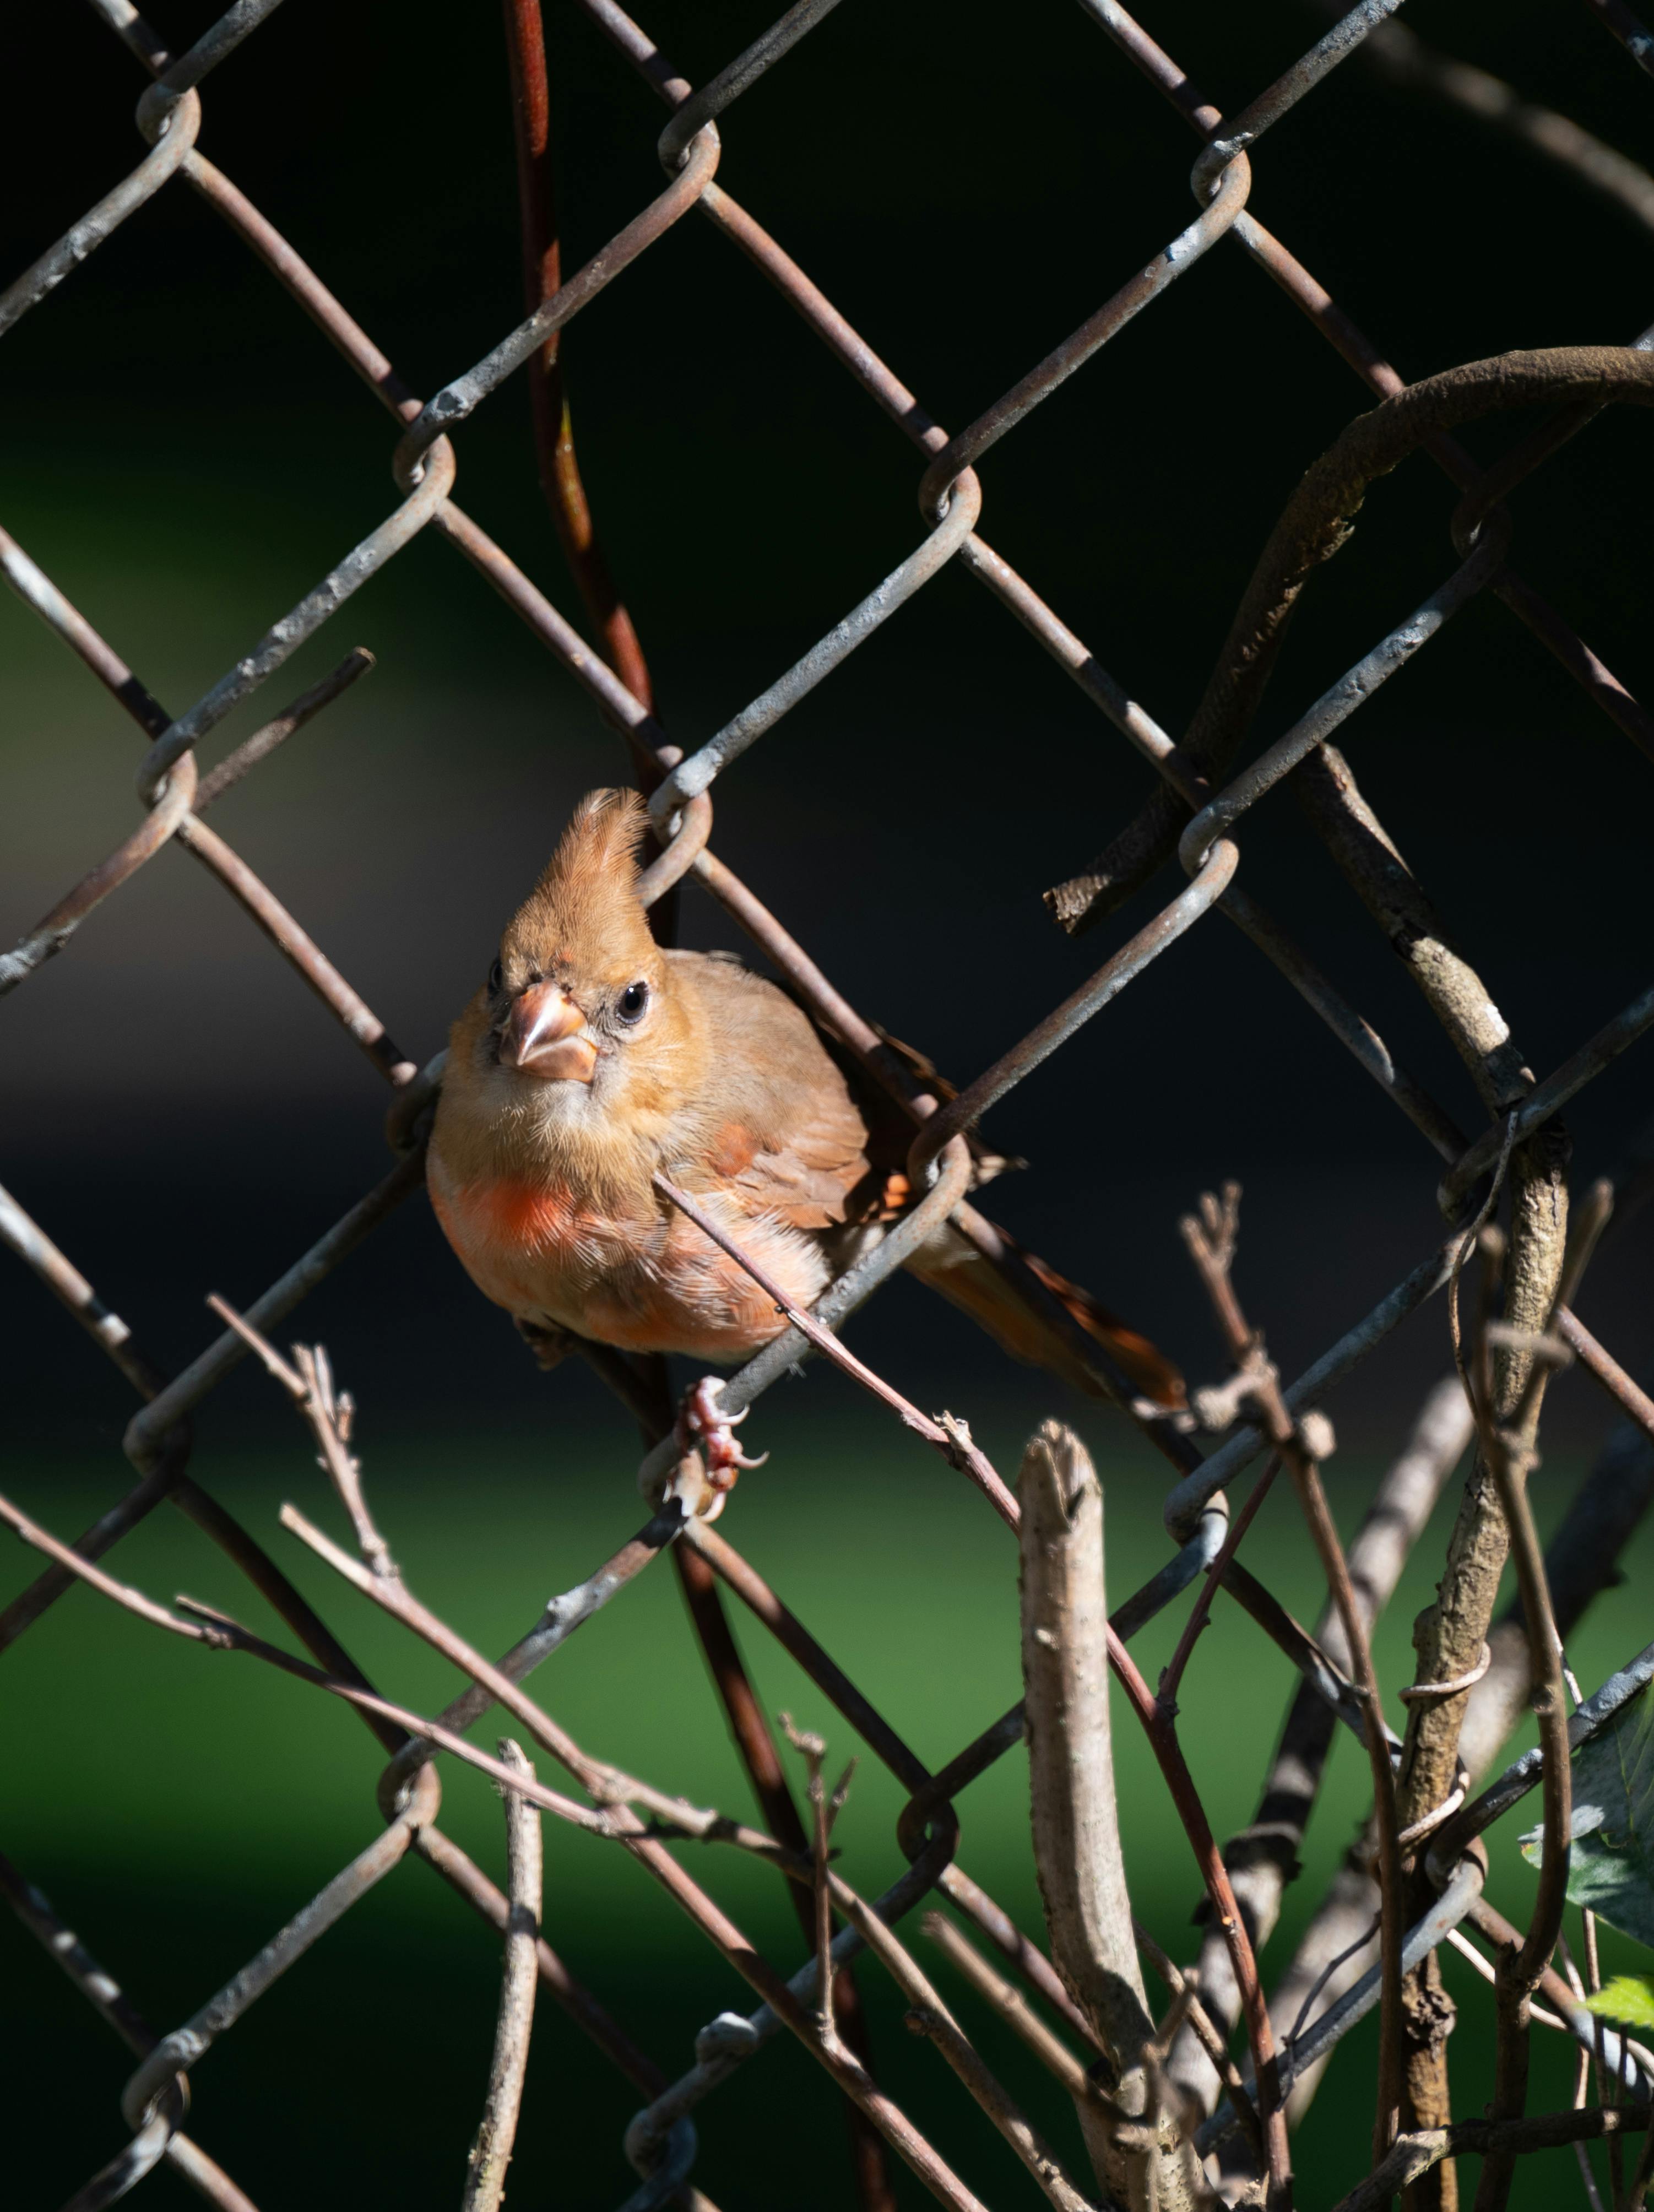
(971, 1281)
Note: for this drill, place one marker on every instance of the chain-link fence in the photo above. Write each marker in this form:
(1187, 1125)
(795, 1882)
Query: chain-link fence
(1474, 1676)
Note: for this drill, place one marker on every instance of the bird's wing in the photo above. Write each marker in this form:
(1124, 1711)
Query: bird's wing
(811, 1179)
(778, 1128)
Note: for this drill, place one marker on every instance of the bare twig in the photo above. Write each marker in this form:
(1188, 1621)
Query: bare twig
(216, 1631)
(1075, 1819)
(938, 2026)
(1163, 1742)
(1210, 1239)
(949, 1437)
(1467, 1950)
(1262, 1858)
(608, 1784)
(812, 1750)
(761, 1761)
(1052, 2053)
(931, 2018)
(332, 1416)
(1201, 1612)
(1412, 2155)
(1200, 2025)
(123, 1595)
(1066, 1728)
(491, 2152)
(1580, 1560)
(1450, 1635)
(1593, 1983)
(1587, 2029)
(1024, 1956)
(1603, 1368)
(276, 731)
(1019, 1952)
(848, 2071)
(1510, 1453)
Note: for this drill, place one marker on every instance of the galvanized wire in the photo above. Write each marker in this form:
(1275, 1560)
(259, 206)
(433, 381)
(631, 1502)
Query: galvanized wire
(1197, 813)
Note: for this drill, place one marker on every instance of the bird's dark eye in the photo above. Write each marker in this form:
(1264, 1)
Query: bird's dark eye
(632, 1001)
(495, 977)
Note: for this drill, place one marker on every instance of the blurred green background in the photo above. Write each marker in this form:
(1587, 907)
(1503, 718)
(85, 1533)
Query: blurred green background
(185, 457)
(179, 1806)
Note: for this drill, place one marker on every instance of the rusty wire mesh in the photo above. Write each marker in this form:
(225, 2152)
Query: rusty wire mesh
(1204, 804)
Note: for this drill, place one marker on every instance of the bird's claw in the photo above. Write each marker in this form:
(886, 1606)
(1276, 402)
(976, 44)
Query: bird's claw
(703, 1426)
(549, 1345)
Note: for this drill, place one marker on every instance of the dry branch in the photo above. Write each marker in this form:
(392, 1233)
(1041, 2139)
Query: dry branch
(496, 2134)
(1076, 1826)
(1302, 1444)
(1014, 2009)
(761, 1761)
(1450, 1636)
(930, 2017)
(1263, 1857)
(1413, 2155)
(1580, 1561)
(1511, 1455)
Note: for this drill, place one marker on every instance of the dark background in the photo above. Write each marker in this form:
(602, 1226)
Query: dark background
(185, 456)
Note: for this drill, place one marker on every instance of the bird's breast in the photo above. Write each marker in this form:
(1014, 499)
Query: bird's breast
(653, 1285)
(528, 1245)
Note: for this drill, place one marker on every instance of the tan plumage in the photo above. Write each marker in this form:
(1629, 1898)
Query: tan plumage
(594, 1058)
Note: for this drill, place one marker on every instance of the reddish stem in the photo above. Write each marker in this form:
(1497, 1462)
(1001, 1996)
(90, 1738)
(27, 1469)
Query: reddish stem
(554, 440)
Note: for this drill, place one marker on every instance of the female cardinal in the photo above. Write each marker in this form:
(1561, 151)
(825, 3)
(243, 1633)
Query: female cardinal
(592, 1058)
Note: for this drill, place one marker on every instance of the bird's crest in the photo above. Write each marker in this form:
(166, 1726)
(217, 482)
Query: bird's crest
(585, 908)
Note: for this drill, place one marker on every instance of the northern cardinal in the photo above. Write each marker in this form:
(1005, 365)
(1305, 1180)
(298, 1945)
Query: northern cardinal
(591, 1057)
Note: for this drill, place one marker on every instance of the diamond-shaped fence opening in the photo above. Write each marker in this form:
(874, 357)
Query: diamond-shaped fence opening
(1204, 2100)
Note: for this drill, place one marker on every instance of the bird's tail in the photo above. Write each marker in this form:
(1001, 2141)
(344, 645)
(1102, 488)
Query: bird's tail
(979, 1274)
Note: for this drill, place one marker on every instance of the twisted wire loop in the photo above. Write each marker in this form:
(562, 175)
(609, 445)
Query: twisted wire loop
(1416, 1692)
(1203, 794)
(1427, 1823)
(1436, 1694)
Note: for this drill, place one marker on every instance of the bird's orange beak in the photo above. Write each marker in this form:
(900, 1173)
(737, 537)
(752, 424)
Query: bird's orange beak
(540, 1037)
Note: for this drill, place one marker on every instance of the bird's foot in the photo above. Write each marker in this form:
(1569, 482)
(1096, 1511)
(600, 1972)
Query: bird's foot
(703, 1426)
(549, 1345)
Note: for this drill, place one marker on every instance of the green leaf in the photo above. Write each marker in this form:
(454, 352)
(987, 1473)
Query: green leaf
(1611, 1866)
(1628, 1997)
